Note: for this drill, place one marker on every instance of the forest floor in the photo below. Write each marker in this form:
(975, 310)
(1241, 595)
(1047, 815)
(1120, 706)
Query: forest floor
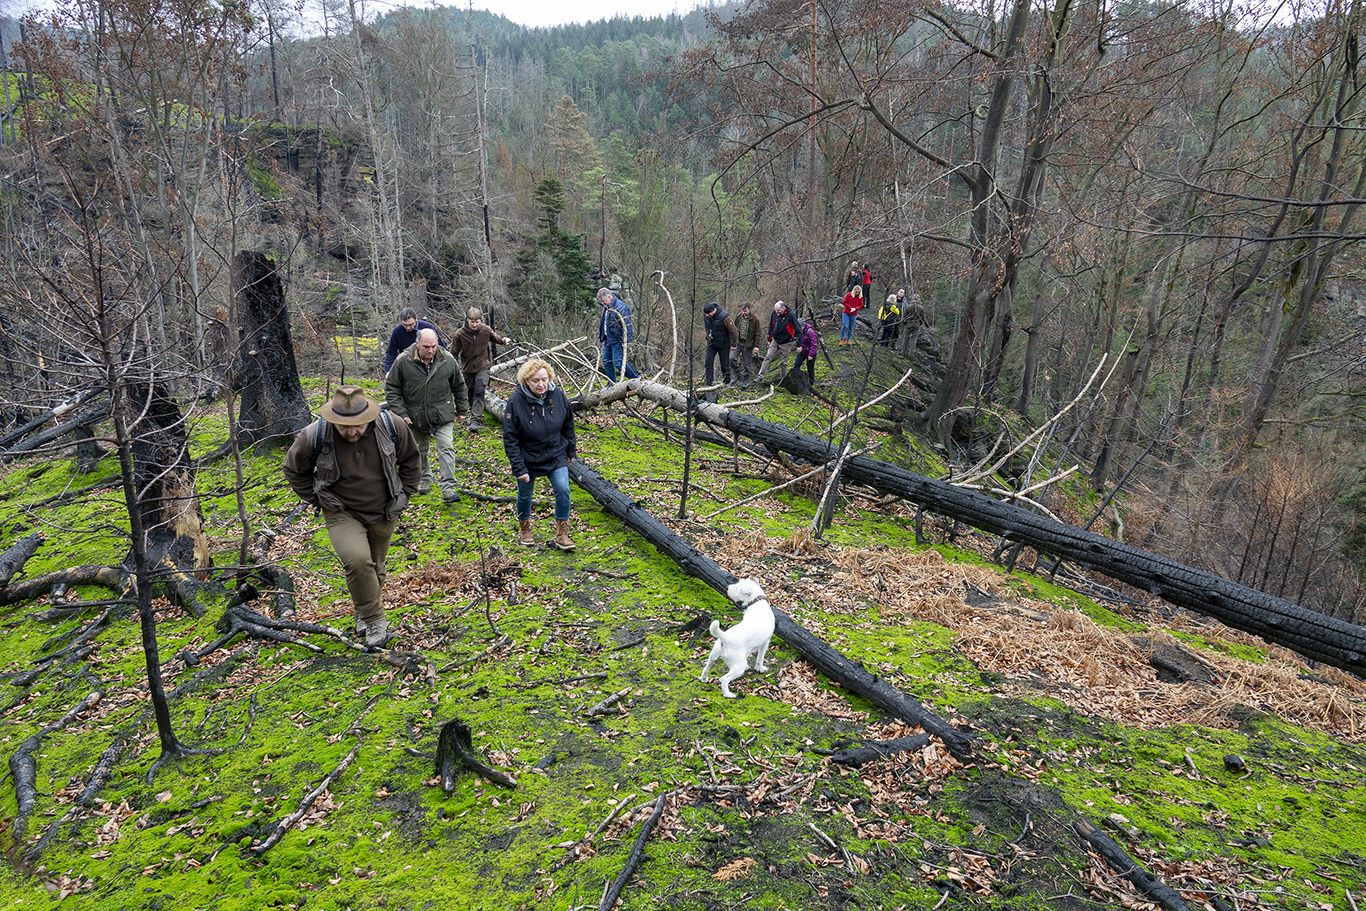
(1074, 721)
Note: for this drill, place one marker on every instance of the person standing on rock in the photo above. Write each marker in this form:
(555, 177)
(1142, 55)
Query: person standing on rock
(359, 466)
(473, 344)
(426, 389)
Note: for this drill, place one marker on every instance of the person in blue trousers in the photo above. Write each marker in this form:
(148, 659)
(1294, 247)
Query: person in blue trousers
(614, 331)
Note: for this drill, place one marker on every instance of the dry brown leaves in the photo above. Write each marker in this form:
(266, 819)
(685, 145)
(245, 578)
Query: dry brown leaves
(1096, 669)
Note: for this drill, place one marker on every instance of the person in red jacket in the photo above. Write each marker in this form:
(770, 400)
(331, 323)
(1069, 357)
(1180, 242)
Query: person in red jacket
(853, 303)
(782, 335)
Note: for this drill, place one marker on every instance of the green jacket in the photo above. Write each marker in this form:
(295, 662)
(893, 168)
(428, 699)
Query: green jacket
(748, 331)
(428, 396)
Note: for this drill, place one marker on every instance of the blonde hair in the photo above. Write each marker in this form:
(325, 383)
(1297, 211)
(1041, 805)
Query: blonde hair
(528, 370)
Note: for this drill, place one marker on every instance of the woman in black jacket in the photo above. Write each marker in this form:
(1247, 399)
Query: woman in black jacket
(538, 437)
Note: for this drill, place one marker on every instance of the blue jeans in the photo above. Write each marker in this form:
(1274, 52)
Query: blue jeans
(847, 325)
(614, 359)
(559, 482)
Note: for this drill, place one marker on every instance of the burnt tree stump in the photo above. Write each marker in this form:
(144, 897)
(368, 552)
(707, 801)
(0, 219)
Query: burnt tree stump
(273, 404)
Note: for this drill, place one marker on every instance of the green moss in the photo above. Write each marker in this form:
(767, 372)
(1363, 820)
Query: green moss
(386, 835)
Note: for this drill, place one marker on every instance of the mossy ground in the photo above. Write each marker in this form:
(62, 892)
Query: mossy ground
(514, 662)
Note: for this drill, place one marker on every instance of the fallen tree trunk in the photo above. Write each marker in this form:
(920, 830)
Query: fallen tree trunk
(75, 401)
(851, 675)
(14, 558)
(1128, 868)
(85, 418)
(1277, 620)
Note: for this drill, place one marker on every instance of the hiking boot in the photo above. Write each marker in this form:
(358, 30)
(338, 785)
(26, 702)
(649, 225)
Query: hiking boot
(377, 634)
(561, 540)
(424, 488)
(360, 628)
(524, 535)
(450, 496)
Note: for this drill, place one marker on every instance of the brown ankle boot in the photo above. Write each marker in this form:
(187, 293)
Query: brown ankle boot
(561, 541)
(524, 535)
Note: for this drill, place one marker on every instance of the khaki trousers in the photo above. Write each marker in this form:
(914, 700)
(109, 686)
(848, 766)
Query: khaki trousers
(361, 549)
(445, 455)
(781, 351)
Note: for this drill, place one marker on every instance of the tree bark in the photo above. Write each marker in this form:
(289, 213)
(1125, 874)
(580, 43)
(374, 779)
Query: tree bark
(273, 403)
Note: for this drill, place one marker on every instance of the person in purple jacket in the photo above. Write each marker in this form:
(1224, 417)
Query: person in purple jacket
(808, 343)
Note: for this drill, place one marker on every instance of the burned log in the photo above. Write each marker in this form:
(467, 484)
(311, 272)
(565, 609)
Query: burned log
(1127, 867)
(70, 404)
(851, 675)
(84, 419)
(880, 749)
(16, 555)
(273, 403)
(1276, 620)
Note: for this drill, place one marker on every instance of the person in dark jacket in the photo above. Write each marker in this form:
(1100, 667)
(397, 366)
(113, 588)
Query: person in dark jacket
(782, 335)
(473, 344)
(538, 437)
(427, 389)
(853, 277)
(615, 331)
(889, 316)
(808, 344)
(360, 475)
(404, 336)
(721, 337)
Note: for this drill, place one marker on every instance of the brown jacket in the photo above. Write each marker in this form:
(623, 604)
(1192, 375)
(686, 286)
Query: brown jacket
(372, 478)
(472, 347)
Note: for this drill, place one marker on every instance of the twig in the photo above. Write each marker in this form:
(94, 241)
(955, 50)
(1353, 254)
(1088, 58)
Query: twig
(304, 805)
(608, 705)
(609, 899)
(603, 572)
(834, 846)
(495, 646)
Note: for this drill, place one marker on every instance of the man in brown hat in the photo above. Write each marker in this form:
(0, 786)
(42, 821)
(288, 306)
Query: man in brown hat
(360, 472)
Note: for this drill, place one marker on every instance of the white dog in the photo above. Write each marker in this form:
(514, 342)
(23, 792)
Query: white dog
(751, 634)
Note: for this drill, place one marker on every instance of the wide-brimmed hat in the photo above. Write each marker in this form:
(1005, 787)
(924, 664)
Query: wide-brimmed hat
(350, 407)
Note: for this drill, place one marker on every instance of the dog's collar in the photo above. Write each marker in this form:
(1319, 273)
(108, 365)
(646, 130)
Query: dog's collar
(753, 601)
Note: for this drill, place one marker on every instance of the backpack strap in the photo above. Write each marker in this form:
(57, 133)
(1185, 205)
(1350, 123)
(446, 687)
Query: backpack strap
(388, 420)
(318, 436)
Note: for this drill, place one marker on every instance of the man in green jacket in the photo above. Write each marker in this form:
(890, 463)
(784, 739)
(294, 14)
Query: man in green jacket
(427, 389)
(748, 334)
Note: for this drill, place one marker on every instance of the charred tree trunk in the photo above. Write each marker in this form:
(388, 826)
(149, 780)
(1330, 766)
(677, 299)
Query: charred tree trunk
(273, 404)
(1277, 620)
(848, 674)
(167, 503)
(16, 555)
(42, 438)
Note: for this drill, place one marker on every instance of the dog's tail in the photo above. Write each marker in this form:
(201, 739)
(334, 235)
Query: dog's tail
(716, 629)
